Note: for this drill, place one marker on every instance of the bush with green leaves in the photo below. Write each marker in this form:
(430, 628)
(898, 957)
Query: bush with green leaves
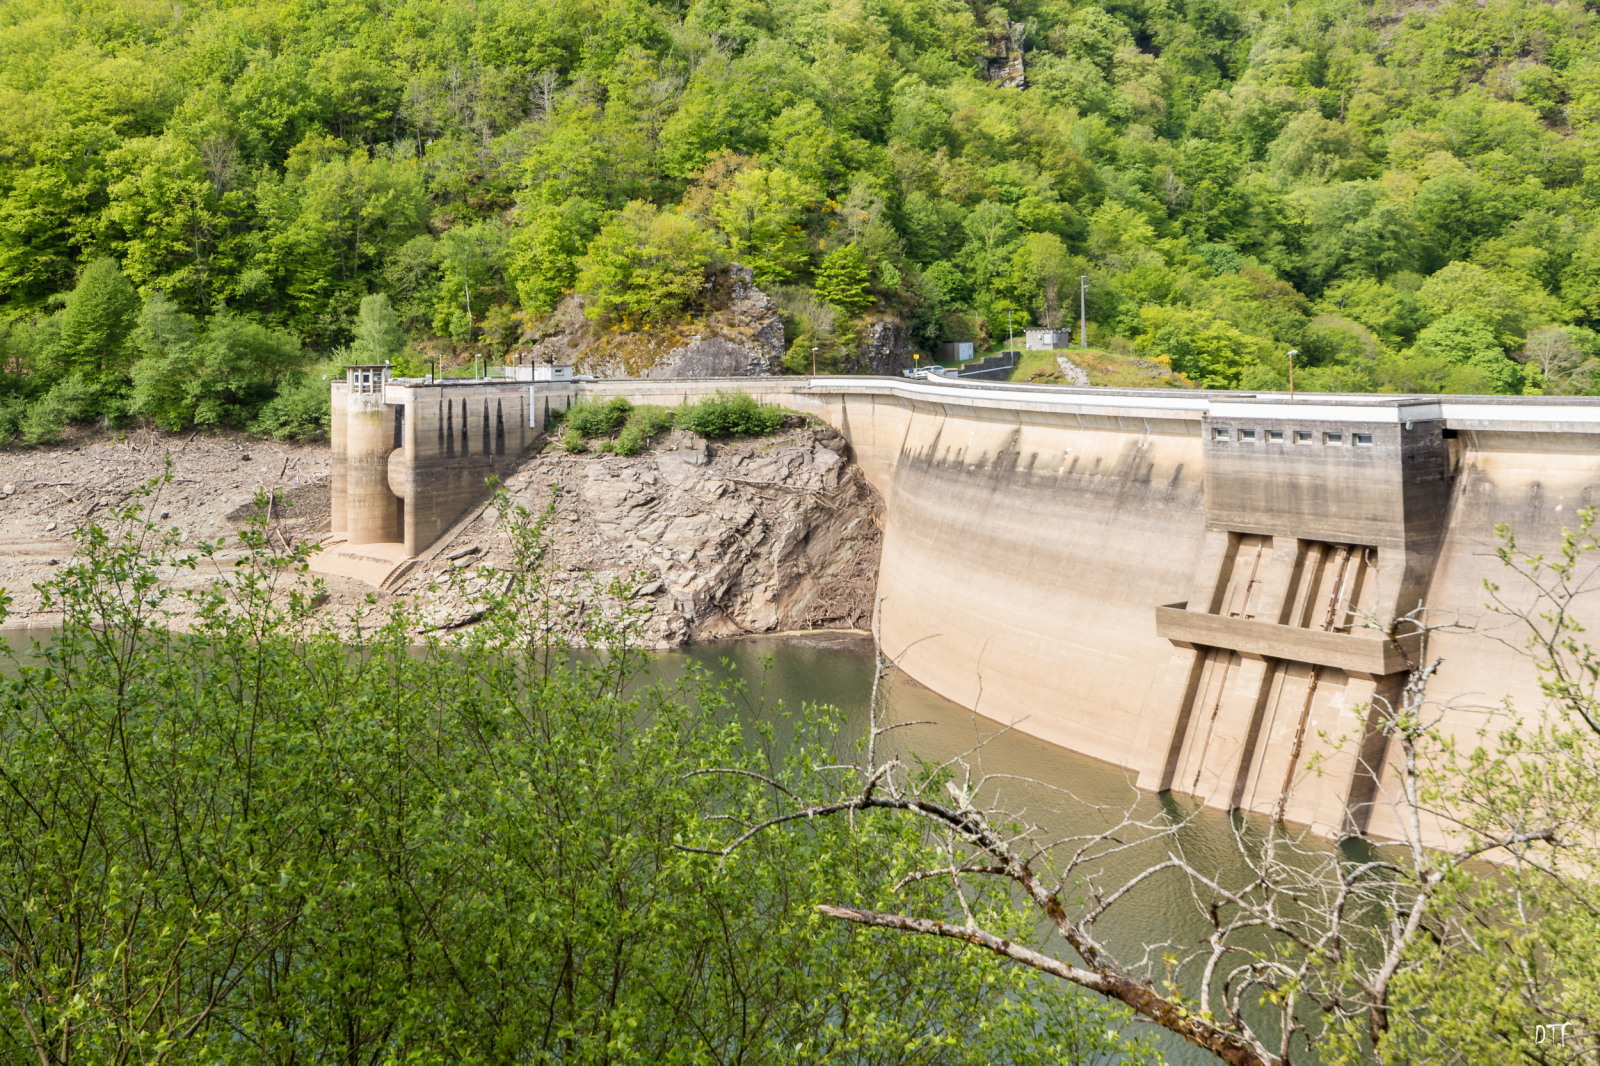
(254, 843)
(730, 414)
(220, 374)
(44, 421)
(597, 418)
(302, 409)
(643, 425)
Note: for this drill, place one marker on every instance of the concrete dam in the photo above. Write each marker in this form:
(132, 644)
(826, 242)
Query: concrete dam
(1178, 582)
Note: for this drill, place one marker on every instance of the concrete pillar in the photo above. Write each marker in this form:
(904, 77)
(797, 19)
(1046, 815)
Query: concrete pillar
(338, 519)
(371, 511)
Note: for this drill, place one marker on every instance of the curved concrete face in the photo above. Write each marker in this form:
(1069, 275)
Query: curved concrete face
(1533, 482)
(1021, 560)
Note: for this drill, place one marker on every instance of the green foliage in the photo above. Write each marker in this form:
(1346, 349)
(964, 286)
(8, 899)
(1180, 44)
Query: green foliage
(269, 848)
(72, 399)
(378, 336)
(221, 375)
(1514, 947)
(545, 250)
(1456, 354)
(842, 280)
(96, 324)
(643, 424)
(572, 442)
(1562, 360)
(302, 408)
(760, 215)
(729, 414)
(645, 266)
(478, 165)
(1212, 352)
(597, 418)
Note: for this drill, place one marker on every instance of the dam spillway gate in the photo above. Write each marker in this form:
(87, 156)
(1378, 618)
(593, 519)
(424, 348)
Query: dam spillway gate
(1319, 537)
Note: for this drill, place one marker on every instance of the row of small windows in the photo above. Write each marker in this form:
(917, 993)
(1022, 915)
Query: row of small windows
(1247, 435)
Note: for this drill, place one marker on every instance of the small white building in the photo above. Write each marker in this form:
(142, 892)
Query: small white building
(544, 372)
(958, 350)
(1045, 338)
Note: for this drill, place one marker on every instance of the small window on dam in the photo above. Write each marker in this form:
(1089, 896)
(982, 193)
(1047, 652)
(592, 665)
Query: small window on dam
(1302, 436)
(1247, 436)
(1219, 432)
(1361, 440)
(1274, 436)
(1333, 438)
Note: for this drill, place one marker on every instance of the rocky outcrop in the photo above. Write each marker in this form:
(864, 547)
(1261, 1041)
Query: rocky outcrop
(715, 539)
(740, 336)
(884, 348)
(1004, 62)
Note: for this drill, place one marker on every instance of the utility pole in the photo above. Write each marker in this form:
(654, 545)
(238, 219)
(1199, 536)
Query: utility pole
(1011, 334)
(1083, 311)
(467, 285)
(1292, 353)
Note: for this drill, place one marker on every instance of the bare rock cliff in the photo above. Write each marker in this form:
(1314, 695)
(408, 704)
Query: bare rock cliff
(741, 336)
(885, 348)
(717, 539)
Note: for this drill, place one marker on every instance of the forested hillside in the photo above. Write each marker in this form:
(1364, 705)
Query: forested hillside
(196, 197)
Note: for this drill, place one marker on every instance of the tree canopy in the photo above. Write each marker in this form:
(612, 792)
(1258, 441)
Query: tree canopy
(1241, 169)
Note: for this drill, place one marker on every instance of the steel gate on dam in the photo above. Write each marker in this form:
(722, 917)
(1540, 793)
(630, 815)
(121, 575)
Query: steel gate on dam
(1194, 585)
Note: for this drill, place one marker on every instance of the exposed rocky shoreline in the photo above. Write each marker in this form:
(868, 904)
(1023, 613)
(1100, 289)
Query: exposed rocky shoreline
(712, 540)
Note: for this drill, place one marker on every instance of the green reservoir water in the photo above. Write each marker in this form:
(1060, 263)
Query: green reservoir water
(1064, 793)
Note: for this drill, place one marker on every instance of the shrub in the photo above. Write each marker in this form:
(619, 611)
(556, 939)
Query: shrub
(72, 399)
(363, 822)
(221, 375)
(572, 441)
(12, 412)
(302, 408)
(596, 419)
(643, 424)
(730, 414)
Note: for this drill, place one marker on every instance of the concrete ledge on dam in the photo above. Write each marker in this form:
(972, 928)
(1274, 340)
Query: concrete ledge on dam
(1354, 653)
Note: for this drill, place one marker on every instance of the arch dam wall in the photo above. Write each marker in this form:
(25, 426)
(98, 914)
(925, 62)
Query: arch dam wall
(1174, 582)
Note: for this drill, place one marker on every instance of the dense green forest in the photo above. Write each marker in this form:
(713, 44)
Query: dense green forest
(196, 198)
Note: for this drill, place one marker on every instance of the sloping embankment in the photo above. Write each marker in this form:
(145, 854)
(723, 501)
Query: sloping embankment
(713, 540)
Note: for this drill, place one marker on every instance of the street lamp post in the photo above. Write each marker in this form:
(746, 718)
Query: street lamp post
(1292, 353)
(813, 361)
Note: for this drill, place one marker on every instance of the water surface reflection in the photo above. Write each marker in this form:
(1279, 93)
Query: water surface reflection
(1064, 793)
